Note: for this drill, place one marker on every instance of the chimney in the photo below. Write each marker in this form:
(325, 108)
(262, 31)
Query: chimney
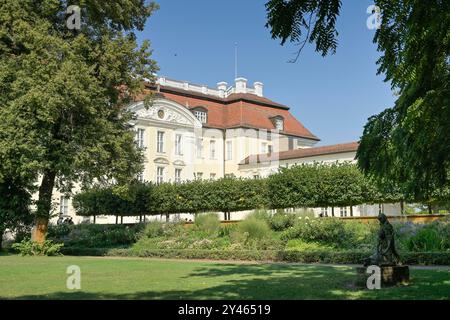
(241, 85)
(258, 88)
(222, 87)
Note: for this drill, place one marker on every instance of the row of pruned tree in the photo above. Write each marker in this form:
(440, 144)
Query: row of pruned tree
(317, 185)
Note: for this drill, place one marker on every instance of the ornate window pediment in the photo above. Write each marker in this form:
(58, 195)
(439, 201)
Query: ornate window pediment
(179, 163)
(161, 160)
(163, 110)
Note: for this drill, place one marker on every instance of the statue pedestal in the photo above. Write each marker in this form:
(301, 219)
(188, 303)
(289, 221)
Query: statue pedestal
(390, 276)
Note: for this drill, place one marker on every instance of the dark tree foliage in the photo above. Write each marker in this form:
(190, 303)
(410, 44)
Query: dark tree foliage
(15, 201)
(408, 143)
(63, 94)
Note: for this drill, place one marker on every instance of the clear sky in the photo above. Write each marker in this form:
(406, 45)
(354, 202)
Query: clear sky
(332, 96)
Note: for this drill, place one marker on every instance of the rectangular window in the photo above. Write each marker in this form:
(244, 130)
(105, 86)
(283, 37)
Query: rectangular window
(160, 142)
(229, 150)
(290, 143)
(140, 177)
(269, 135)
(199, 148)
(140, 138)
(256, 176)
(279, 124)
(198, 175)
(159, 175)
(269, 148)
(324, 212)
(212, 149)
(64, 205)
(263, 147)
(200, 115)
(177, 175)
(343, 211)
(178, 148)
(212, 176)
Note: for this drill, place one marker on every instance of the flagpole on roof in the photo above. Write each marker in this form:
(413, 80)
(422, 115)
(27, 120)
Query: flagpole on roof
(235, 59)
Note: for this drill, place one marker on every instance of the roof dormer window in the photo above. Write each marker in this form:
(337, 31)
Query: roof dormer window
(278, 123)
(201, 115)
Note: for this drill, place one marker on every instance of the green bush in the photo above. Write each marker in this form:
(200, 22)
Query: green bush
(33, 248)
(260, 214)
(300, 245)
(59, 231)
(95, 235)
(329, 231)
(434, 236)
(208, 223)
(153, 229)
(360, 235)
(282, 221)
(253, 228)
(302, 256)
(429, 238)
(226, 230)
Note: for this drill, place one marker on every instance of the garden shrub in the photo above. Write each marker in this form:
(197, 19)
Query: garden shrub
(253, 228)
(259, 214)
(208, 223)
(226, 230)
(153, 229)
(432, 237)
(360, 235)
(32, 248)
(95, 235)
(301, 256)
(300, 245)
(282, 221)
(324, 230)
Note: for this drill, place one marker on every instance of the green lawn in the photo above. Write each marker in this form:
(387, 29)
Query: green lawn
(109, 278)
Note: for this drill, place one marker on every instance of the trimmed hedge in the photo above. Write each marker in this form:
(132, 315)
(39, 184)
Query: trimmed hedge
(337, 257)
(226, 195)
(316, 185)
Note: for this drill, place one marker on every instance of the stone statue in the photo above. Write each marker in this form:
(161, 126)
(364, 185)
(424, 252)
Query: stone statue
(386, 254)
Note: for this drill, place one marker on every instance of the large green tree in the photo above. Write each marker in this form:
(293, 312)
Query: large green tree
(408, 143)
(63, 92)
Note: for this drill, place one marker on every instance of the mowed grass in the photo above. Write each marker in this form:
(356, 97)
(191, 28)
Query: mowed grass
(115, 278)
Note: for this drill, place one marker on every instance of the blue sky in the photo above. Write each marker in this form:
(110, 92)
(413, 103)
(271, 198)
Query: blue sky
(332, 96)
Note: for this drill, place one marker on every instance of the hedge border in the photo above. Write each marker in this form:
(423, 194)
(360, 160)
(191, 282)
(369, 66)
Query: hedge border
(294, 256)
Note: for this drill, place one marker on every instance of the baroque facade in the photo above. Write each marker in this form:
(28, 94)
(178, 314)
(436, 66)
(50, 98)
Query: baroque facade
(193, 131)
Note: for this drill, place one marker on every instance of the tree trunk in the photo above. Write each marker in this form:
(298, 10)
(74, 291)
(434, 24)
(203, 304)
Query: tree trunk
(167, 217)
(43, 205)
(430, 209)
(140, 218)
(402, 207)
(351, 211)
(2, 231)
(332, 211)
(121, 219)
(94, 219)
(117, 219)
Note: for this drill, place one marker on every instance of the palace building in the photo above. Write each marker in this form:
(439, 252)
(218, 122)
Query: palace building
(192, 131)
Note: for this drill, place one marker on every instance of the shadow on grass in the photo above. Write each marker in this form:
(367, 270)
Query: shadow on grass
(272, 282)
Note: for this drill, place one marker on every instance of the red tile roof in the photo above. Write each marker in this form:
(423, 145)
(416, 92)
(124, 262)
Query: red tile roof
(236, 110)
(302, 153)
